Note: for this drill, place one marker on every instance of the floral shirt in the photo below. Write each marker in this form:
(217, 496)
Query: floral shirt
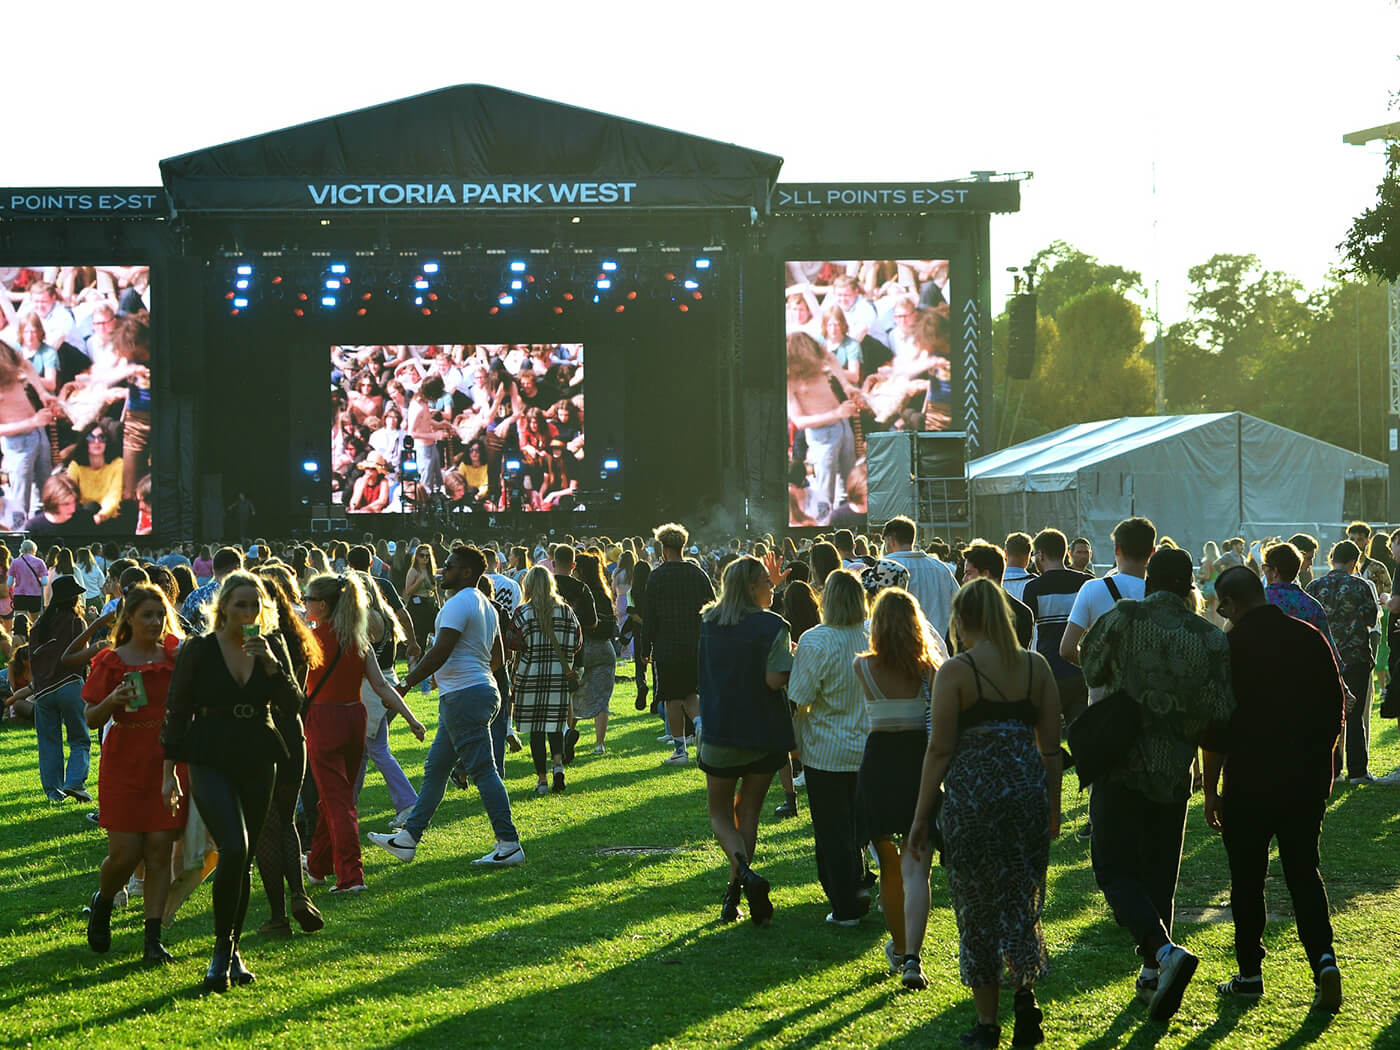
(1177, 666)
(1376, 572)
(1351, 606)
(1301, 605)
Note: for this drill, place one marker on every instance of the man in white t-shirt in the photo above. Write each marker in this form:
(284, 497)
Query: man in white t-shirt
(1134, 539)
(930, 581)
(466, 645)
(507, 590)
(1018, 558)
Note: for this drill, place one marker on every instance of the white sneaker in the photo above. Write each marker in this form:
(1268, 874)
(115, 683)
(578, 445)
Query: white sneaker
(677, 758)
(600, 750)
(800, 781)
(358, 887)
(119, 899)
(831, 918)
(401, 818)
(136, 887)
(400, 843)
(664, 738)
(505, 855)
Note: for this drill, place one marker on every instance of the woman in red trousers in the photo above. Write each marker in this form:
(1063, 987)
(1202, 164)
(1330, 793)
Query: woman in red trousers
(335, 725)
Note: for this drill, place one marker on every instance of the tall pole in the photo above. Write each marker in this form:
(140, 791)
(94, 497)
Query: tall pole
(1159, 368)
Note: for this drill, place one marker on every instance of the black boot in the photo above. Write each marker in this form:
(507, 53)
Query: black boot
(216, 980)
(237, 972)
(1028, 1030)
(756, 889)
(155, 951)
(99, 931)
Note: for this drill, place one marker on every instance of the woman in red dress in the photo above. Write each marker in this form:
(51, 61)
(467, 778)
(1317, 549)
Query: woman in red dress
(142, 795)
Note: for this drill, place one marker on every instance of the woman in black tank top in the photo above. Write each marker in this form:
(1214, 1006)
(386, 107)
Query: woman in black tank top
(995, 750)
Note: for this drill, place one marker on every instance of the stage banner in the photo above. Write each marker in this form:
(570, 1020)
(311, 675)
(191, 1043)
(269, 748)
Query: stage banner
(453, 193)
(94, 202)
(792, 197)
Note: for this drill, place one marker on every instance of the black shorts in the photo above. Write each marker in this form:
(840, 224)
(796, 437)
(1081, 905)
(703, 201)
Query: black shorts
(28, 603)
(676, 679)
(766, 762)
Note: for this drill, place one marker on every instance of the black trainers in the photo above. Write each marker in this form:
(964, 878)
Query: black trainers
(570, 741)
(459, 776)
(787, 810)
(1238, 987)
(912, 975)
(1173, 975)
(99, 930)
(558, 785)
(1327, 997)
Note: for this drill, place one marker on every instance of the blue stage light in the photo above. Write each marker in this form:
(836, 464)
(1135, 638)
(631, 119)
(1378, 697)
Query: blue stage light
(409, 466)
(420, 284)
(337, 267)
(605, 284)
(241, 283)
(515, 286)
(418, 301)
(702, 264)
(517, 267)
(430, 267)
(244, 271)
(328, 300)
(512, 464)
(310, 466)
(611, 464)
(691, 285)
(507, 300)
(610, 266)
(240, 303)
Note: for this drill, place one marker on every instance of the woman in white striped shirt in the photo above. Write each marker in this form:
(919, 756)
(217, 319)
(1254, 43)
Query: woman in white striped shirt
(831, 724)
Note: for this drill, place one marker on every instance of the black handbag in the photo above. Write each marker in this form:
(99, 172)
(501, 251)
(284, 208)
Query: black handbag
(1102, 736)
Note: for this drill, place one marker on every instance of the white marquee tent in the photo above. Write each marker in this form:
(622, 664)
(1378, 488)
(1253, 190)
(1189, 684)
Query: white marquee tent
(1202, 477)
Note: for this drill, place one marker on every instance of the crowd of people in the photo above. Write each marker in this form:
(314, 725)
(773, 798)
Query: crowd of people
(868, 349)
(75, 400)
(922, 697)
(486, 427)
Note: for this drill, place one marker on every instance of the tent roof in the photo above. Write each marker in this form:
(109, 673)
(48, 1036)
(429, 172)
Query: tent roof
(479, 133)
(1055, 459)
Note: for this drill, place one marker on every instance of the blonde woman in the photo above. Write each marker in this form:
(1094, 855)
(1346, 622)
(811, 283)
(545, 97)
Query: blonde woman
(1205, 578)
(745, 658)
(336, 722)
(229, 687)
(831, 724)
(546, 634)
(895, 675)
(995, 749)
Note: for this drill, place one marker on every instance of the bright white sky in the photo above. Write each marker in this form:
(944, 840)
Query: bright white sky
(1241, 104)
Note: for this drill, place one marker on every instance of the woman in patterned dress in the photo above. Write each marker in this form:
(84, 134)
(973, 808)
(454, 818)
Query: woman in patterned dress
(995, 749)
(542, 630)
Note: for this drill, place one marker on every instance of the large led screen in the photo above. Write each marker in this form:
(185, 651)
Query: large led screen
(868, 349)
(487, 427)
(75, 400)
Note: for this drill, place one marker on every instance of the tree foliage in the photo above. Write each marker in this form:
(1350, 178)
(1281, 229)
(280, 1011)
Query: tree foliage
(1373, 243)
(1254, 340)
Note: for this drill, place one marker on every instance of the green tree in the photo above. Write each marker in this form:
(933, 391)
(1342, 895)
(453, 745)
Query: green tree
(1062, 271)
(1244, 321)
(1373, 242)
(1090, 365)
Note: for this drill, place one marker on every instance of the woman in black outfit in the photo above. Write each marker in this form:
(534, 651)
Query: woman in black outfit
(219, 718)
(279, 846)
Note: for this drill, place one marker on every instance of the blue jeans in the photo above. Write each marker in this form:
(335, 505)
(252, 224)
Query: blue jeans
(27, 460)
(55, 710)
(464, 735)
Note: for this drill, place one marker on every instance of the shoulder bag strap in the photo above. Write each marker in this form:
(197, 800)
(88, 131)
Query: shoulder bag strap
(1112, 588)
(334, 660)
(554, 641)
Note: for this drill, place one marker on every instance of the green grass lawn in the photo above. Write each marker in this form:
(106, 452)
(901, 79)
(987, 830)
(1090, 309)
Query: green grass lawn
(589, 945)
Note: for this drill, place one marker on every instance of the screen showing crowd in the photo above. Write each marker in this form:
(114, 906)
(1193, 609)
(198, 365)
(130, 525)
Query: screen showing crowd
(486, 427)
(75, 399)
(868, 349)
